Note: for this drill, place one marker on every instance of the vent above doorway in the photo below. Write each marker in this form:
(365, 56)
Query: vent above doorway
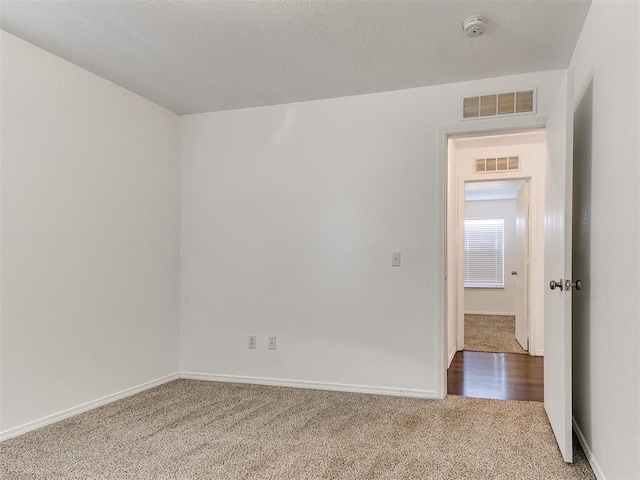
(508, 103)
(497, 164)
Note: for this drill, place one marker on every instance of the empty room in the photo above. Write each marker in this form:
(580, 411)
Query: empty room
(319, 239)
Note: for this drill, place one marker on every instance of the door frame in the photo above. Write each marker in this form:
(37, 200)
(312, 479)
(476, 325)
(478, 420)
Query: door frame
(535, 267)
(475, 127)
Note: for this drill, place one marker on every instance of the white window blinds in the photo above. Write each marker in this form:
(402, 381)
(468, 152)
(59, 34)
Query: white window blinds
(484, 253)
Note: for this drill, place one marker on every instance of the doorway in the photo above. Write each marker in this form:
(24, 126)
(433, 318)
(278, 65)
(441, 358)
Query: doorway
(495, 197)
(494, 255)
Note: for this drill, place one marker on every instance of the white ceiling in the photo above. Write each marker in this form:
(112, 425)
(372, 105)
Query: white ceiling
(494, 190)
(196, 56)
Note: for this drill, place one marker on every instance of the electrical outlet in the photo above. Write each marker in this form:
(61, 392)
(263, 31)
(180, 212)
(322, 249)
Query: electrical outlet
(272, 343)
(395, 259)
(252, 342)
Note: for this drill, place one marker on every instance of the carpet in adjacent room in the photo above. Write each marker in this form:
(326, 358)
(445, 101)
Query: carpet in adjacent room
(491, 333)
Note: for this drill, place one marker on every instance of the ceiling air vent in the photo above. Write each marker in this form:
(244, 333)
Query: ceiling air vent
(509, 103)
(498, 164)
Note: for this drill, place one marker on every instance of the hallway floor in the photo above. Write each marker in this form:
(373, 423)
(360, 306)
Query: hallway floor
(501, 376)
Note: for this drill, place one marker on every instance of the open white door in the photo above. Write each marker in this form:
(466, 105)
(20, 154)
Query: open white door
(557, 268)
(522, 266)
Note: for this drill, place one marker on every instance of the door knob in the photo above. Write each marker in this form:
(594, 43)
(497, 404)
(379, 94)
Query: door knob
(577, 285)
(514, 272)
(553, 285)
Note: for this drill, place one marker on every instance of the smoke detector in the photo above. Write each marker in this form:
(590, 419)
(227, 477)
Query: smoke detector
(474, 26)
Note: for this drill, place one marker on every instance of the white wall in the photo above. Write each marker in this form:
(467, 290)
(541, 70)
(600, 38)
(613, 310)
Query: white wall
(289, 215)
(606, 359)
(90, 252)
(498, 301)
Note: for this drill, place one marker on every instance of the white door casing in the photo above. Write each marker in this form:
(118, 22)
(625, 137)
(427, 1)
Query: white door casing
(449, 215)
(522, 266)
(557, 267)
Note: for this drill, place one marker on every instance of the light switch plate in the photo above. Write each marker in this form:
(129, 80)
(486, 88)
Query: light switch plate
(395, 259)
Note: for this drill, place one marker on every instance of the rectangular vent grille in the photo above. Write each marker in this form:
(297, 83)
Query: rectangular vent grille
(509, 103)
(498, 164)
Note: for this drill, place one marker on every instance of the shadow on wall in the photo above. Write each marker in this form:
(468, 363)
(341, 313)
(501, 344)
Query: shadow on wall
(581, 258)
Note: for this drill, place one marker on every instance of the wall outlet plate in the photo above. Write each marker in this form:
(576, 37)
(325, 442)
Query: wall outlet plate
(252, 342)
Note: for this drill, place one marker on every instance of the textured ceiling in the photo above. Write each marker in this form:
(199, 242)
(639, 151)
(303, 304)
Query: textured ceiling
(197, 56)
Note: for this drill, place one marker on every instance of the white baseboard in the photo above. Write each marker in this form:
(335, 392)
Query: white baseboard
(452, 354)
(491, 313)
(70, 412)
(538, 353)
(340, 387)
(587, 451)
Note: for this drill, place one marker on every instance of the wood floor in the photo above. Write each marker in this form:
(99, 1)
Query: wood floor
(502, 376)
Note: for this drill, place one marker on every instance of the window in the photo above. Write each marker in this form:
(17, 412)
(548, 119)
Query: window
(484, 253)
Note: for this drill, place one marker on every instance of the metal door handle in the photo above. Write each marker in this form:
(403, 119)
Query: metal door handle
(577, 284)
(553, 285)
(514, 272)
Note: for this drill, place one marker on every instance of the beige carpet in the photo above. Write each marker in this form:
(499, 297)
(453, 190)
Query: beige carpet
(491, 333)
(192, 429)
